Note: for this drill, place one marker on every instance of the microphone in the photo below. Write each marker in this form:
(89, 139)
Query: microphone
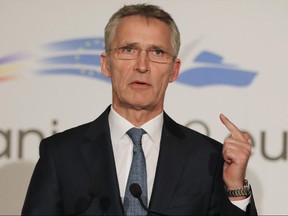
(82, 204)
(136, 192)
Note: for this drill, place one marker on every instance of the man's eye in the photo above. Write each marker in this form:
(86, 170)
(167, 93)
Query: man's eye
(127, 50)
(158, 52)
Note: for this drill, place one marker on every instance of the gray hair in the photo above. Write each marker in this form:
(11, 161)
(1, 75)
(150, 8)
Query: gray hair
(146, 11)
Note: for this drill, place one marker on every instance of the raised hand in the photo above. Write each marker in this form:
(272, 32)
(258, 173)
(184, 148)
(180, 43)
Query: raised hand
(236, 153)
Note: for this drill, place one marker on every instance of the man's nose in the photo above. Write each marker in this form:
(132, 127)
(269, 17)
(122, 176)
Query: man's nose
(142, 63)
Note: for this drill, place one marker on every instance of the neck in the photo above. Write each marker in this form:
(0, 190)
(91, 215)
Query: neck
(136, 116)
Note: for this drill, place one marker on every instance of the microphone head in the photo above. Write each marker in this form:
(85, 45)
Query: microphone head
(135, 190)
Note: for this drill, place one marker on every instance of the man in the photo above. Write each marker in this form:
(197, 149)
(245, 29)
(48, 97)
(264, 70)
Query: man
(87, 169)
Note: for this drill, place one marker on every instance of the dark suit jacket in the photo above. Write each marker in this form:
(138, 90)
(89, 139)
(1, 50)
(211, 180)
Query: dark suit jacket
(76, 172)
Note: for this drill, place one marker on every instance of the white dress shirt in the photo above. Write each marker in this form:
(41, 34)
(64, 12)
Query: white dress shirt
(123, 150)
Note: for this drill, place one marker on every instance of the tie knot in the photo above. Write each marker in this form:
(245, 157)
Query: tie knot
(136, 134)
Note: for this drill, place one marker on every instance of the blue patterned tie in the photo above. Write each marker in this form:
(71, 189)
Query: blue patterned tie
(137, 175)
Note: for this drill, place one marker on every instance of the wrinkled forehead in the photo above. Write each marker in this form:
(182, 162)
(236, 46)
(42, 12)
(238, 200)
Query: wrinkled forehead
(139, 30)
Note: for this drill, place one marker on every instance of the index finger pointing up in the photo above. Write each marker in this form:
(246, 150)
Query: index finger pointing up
(235, 132)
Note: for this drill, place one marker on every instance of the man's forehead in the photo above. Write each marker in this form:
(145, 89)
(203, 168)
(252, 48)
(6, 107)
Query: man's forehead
(129, 31)
(141, 21)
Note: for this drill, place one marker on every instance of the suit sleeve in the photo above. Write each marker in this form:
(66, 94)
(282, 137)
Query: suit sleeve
(43, 197)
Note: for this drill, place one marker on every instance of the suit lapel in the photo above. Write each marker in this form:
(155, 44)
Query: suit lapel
(99, 159)
(98, 156)
(172, 159)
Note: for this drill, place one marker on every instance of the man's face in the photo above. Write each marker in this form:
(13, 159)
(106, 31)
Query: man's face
(140, 83)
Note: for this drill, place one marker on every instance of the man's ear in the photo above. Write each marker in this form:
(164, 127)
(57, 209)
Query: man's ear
(175, 70)
(105, 68)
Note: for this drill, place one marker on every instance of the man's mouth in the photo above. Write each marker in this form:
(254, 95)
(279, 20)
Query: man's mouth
(140, 83)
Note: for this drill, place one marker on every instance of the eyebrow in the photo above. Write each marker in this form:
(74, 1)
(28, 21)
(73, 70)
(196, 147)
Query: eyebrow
(136, 44)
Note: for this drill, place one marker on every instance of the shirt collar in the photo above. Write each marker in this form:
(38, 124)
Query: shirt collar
(119, 126)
